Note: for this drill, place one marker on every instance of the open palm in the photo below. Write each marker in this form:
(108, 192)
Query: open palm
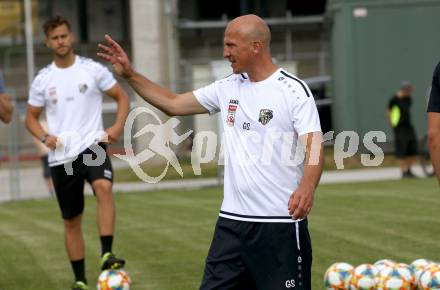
(114, 53)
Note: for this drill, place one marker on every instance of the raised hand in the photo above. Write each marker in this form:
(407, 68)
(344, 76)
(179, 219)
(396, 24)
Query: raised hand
(114, 53)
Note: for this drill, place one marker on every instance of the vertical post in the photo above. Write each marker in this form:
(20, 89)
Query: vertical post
(29, 41)
(171, 39)
(13, 152)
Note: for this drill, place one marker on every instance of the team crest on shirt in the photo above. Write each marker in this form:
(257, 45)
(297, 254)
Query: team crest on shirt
(265, 116)
(82, 88)
(232, 108)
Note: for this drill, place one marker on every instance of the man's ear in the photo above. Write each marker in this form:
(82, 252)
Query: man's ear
(257, 46)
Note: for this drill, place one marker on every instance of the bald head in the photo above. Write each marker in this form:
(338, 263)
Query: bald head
(250, 27)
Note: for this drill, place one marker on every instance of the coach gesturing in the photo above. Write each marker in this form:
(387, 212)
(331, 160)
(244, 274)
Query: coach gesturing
(261, 240)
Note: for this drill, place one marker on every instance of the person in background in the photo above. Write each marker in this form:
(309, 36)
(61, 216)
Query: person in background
(70, 91)
(405, 140)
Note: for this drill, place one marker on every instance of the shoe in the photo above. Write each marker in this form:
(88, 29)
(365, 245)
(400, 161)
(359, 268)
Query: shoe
(408, 174)
(109, 261)
(79, 285)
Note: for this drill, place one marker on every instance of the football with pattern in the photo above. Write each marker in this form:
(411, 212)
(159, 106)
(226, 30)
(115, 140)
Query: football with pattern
(364, 277)
(338, 276)
(397, 277)
(430, 278)
(113, 280)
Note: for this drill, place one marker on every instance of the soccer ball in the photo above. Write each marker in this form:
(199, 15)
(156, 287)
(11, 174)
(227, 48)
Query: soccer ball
(384, 263)
(338, 276)
(417, 267)
(364, 277)
(397, 277)
(430, 278)
(113, 280)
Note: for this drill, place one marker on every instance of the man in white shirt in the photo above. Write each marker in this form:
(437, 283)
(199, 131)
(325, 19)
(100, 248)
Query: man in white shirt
(70, 90)
(261, 239)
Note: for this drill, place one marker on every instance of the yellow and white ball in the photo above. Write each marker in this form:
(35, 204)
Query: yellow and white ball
(430, 278)
(397, 277)
(338, 276)
(364, 277)
(113, 280)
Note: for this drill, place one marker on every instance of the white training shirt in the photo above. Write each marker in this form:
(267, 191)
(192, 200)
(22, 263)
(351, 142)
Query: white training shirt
(72, 98)
(261, 124)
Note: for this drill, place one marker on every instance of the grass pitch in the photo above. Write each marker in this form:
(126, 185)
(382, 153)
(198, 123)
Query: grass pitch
(165, 235)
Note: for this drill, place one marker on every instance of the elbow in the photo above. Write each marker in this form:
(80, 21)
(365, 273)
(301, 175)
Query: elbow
(7, 118)
(172, 110)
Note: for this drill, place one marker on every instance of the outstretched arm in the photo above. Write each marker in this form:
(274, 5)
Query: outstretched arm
(162, 98)
(434, 141)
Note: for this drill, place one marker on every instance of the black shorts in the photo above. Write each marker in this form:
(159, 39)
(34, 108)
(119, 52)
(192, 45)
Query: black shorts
(70, 188)
(405, 142)
(263, 256)
(45, 166)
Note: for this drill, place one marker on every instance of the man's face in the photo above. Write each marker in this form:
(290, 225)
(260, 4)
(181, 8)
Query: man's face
(237, 49)
(408, 90)
(60, 40)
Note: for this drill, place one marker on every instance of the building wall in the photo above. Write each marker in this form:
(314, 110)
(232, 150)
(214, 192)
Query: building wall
(375, 46)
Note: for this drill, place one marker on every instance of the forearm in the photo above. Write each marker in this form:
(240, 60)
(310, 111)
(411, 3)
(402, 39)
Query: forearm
(122, 111)
(434, 141)
(434, 149)
(313, 166)
(34, 127)
(152, 93)
(6, 108)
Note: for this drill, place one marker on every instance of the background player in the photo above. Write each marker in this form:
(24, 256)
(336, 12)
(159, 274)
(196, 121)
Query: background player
(70, 89)
(405, 140)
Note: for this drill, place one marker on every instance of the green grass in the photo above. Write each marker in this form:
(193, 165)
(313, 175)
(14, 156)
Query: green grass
(165, 235)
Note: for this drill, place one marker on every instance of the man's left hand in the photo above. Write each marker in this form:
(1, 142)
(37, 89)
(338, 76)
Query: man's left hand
(301, 202)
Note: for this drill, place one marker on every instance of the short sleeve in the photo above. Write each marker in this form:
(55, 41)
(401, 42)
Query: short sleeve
(434, 98)
(208, 98)
(305, 115)
(2, 84)
(105, 78)
(36, 94)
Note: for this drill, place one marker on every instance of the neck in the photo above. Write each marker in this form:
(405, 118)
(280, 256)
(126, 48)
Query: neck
(64, 61)
(262, 71)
